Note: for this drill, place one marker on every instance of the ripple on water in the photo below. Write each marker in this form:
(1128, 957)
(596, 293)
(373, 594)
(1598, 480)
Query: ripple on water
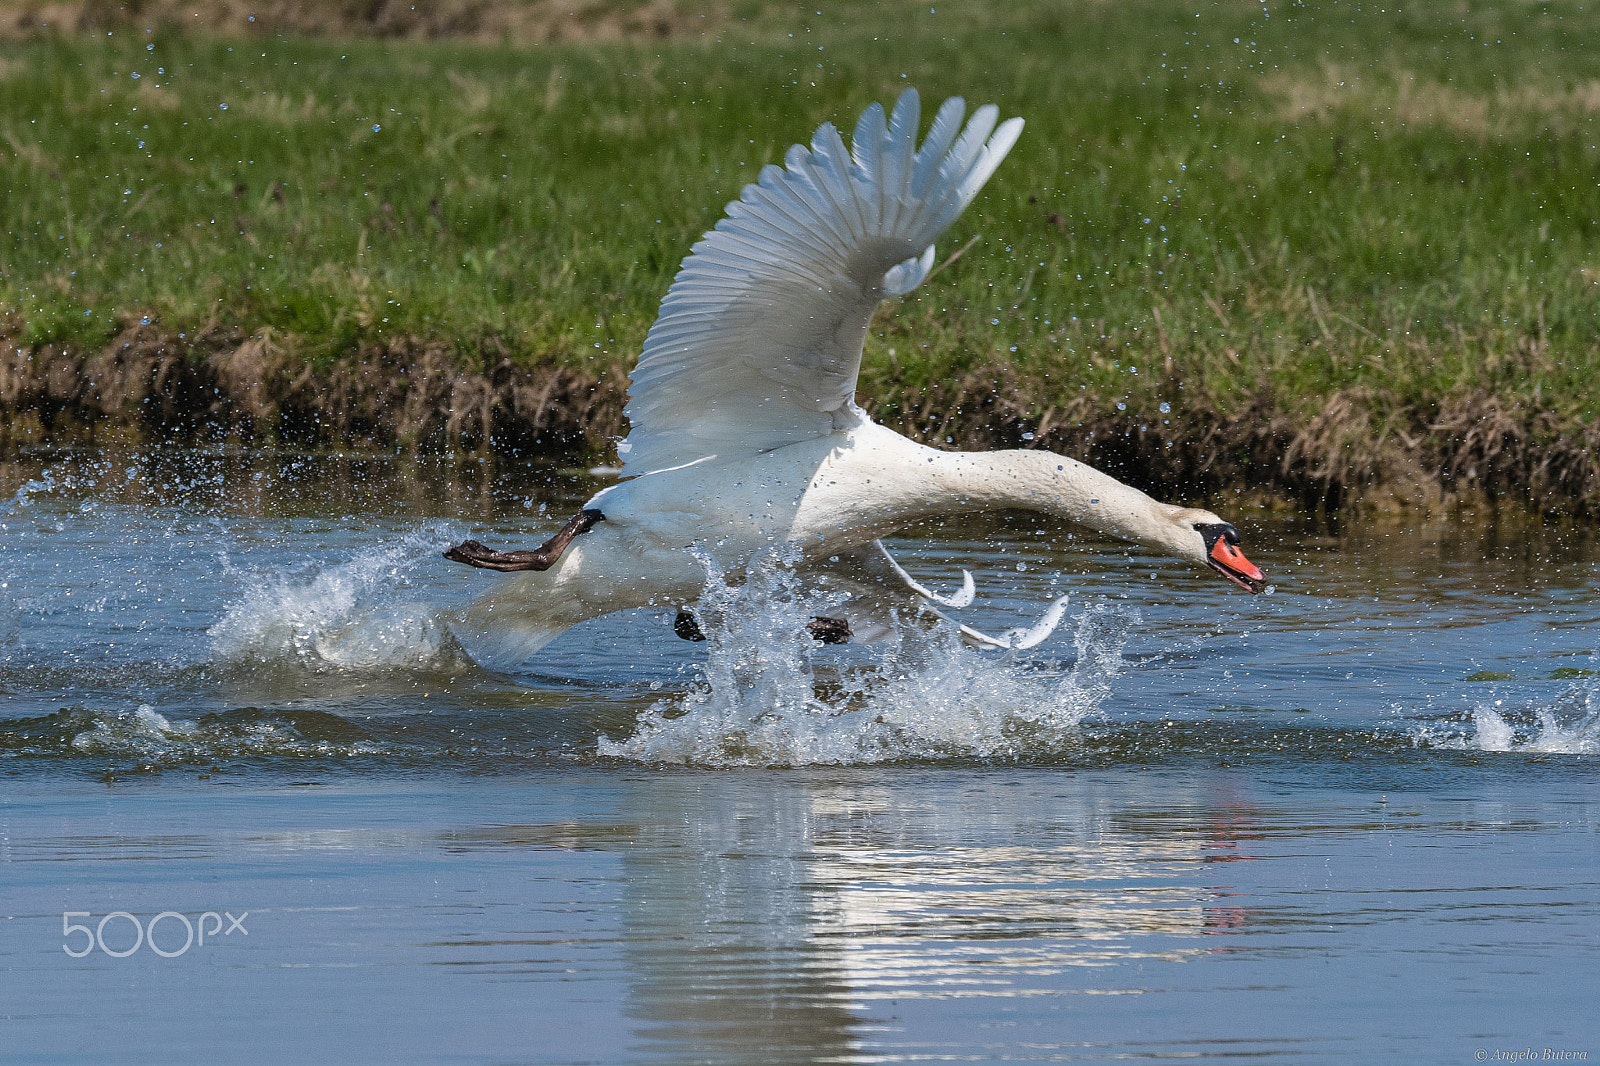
(150, 740)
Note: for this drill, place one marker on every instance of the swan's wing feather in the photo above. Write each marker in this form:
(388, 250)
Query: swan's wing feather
(963, 598)
(876, 594)
(879, 589)
(758, 343)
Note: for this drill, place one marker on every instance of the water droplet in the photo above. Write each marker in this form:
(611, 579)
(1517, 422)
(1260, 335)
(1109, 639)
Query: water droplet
(1121, 406)
(1166, 408)
(222, 107)
(376, 127)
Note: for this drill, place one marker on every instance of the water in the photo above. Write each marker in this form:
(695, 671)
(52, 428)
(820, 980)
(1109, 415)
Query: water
(1354, 820)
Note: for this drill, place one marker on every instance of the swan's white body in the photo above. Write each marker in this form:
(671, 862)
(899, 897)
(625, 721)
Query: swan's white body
(745, 431)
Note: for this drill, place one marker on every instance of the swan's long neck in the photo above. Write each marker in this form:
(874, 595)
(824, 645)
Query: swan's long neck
(1055, 484)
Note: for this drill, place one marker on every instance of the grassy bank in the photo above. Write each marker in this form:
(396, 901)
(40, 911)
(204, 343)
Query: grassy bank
(1315, 247)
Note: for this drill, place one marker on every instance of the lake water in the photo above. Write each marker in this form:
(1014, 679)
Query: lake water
(1354, 820)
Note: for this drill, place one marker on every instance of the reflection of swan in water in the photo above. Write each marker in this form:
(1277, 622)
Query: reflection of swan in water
(745, 432)
(782, 920)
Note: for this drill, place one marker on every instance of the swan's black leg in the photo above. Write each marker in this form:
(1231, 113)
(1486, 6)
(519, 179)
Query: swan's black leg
(825, 630)
(541, 558)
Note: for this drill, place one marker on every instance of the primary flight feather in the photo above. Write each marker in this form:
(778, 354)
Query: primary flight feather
(759, 339)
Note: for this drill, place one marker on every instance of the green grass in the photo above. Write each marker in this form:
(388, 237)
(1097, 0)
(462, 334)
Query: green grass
(1297, 198)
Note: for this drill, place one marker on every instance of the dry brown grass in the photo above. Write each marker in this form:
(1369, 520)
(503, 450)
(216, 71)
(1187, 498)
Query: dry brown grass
(516, 21)
(1408, 100)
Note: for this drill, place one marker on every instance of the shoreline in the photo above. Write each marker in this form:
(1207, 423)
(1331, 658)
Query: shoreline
(1362, 451)
(1242, 273)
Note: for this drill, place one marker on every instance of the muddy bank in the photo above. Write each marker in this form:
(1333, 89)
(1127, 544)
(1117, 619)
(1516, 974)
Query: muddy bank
(409, 392)
(1362, 448)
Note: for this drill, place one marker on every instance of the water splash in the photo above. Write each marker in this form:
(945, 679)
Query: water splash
(1548, 733)
(10, 614)
(1570, 726)
(45, 483)
(354, 615)
(58, 483)
(762, 700)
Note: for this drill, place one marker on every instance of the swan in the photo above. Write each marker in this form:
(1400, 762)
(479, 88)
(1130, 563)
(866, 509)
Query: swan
(745, 433)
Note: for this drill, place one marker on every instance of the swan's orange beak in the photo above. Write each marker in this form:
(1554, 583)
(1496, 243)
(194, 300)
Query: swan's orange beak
(1226, 559)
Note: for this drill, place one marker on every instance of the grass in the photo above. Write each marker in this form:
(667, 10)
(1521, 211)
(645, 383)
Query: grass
(1297, 201)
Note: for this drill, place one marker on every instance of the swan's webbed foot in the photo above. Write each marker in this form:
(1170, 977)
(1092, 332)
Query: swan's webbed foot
(824, 630)
(541, 558)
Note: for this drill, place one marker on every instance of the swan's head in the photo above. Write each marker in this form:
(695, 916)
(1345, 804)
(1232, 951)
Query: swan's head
(1202, 537)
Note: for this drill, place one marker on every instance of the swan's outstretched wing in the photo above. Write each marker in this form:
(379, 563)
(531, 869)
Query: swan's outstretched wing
(759, 338)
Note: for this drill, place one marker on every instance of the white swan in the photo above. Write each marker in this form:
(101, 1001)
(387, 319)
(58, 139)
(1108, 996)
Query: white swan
(745, 431)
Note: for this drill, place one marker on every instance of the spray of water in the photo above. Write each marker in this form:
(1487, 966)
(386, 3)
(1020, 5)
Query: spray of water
(1492, 732)
(23, 497)
(763, 698)
(1570, 725)
(356, 615)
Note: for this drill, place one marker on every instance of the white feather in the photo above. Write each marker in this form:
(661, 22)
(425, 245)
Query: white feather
(960, 599)
(759, 340)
